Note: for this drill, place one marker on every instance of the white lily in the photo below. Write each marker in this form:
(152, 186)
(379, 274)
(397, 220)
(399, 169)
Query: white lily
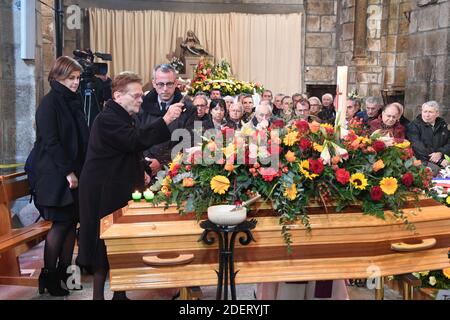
(325, 155)
(432, 281)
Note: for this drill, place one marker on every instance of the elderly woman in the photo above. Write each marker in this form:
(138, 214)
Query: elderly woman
(328, 112)
(235, 116)
(389, 124)
(315, 105)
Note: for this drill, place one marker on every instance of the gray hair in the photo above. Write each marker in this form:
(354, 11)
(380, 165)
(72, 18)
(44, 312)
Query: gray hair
(396, 105)
(329, 95)
(316, 100)
(259, 106)
(205, 100)
(165, 68)
(374, 100)
(238, 104)
(433, 104)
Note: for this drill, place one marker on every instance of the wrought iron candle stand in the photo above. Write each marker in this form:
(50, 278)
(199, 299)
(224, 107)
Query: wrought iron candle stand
(226, 251)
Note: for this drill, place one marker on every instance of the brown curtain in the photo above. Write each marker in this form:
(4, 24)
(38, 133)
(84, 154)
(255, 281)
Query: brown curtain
(260, 48)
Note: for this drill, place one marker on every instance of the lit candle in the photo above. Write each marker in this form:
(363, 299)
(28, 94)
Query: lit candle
(342, 74)
(148, 195)
(136, 196)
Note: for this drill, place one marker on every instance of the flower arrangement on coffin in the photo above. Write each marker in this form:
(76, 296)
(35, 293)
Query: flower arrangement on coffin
(208, 77)
(441, 193)
(292, 165)
(437, 279)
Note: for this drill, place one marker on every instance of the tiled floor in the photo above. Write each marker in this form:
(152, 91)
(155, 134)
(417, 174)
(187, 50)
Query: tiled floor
(33, 260)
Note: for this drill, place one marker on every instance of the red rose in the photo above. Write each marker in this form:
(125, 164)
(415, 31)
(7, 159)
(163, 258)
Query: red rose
(376, 193)
(277, 124)
(408, 179)
(316, 166)
(305, 144)
(302, 126)
(342, 176)
(379, 146)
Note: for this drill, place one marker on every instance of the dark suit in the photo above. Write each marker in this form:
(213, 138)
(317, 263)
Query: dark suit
(113, 170)
(150, 110)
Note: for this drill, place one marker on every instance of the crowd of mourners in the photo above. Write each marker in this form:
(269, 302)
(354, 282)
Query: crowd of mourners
(84, 173)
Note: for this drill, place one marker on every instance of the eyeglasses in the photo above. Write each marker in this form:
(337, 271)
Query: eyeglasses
(201, 106)
(135, 96)
(161, 85)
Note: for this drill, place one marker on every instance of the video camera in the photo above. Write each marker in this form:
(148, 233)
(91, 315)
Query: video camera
(91, 68)
(93, 90)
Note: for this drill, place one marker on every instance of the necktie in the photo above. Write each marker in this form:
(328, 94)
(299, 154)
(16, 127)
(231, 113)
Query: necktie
(163, 106)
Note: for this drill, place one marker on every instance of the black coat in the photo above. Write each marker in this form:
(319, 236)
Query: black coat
(61, 142)
(113, 170)
(150, 110)
(328, 115)
(426, 140)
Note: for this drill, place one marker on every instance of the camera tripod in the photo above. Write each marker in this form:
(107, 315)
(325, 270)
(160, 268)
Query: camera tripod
(90, 101)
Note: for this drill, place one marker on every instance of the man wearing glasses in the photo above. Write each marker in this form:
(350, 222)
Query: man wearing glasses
(155, 104)
(201, 104)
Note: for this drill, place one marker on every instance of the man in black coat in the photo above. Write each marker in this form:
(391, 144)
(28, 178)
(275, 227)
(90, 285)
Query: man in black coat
(155, 105)
(430, 137)
(113, 169)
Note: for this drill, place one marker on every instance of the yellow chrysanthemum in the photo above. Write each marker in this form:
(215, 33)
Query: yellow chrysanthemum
(405, 144)
(291, 138)
(446, 273)
(389, 185)
(220, 184)
(448, 200)
(291, 192)
(359, 181)
(304, 169)
(317, 147)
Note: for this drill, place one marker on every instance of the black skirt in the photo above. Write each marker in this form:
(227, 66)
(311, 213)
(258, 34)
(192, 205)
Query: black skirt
(63, 214)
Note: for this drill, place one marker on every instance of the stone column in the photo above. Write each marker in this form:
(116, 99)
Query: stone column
(18, 92)
(429, 56)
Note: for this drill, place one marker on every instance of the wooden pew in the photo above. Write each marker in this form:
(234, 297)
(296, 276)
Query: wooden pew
(14, 242)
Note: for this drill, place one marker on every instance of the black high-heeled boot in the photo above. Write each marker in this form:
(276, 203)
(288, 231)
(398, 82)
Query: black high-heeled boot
(49, 279)
(64, 276)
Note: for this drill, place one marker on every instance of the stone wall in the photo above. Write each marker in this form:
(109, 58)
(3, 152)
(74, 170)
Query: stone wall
(20, 86)
(428, 75)
(320, 43)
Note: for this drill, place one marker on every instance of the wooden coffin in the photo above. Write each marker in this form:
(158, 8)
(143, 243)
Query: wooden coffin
(340, 246)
